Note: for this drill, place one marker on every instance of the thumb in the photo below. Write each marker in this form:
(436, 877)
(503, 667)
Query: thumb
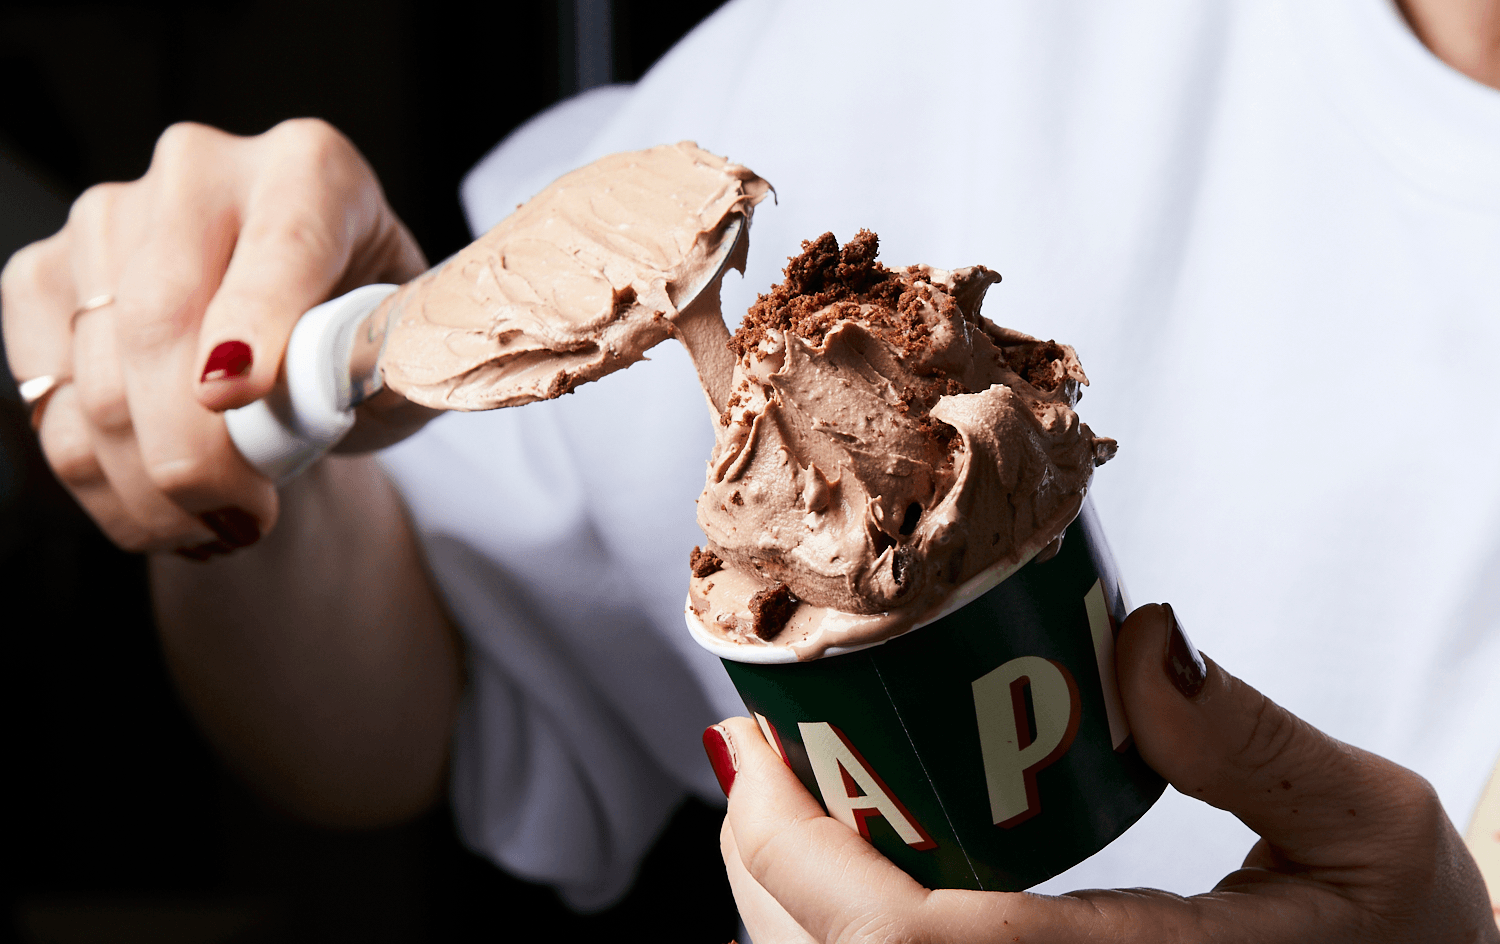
(1317, 803)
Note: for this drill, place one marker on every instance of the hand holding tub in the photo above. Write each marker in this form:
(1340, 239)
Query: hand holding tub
(1352, 848)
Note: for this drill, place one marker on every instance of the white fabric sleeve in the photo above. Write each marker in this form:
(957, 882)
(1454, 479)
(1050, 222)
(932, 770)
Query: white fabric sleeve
(552, 777)
(548, 779)
(535, 154)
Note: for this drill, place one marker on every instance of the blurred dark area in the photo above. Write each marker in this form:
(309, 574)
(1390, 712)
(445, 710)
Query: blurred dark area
(119, 823)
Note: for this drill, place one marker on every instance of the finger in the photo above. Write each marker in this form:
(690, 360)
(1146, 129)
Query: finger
(36, 297)
(824, 875)
(315, 223)
(1318, 801)
(767, 921)
(183, 449)
(156, 522)
(97, 258)
(105, 227)
(66, 441)
(41, 289)
(1327, 812)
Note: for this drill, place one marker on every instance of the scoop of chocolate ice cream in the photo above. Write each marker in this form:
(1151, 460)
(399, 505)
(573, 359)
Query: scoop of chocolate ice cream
(884, 442)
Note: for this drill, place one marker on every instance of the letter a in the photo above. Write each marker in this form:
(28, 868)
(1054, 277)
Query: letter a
(1011, 756)
(852, 791)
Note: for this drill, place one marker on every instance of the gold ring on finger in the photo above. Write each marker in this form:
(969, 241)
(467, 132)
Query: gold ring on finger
(37, 391)
(93, 304)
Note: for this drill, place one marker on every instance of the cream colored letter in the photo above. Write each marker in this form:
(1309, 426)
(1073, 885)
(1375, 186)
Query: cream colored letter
(841, 771)
(1011, 756)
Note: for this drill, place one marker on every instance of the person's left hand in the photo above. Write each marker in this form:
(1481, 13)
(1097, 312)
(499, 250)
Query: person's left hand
(1353, 847)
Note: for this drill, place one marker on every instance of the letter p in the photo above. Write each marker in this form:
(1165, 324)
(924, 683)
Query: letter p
(1012, 755)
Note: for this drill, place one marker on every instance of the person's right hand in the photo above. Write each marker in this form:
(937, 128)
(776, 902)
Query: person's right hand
(206, 263)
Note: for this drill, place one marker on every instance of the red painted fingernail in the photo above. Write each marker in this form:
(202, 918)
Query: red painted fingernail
(202, 552)
(1185, 667)
(721, 755)
(230, 359)
(234, 526)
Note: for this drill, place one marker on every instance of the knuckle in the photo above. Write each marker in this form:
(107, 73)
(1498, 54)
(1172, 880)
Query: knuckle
(94, 207)
(877, 929)
(24, 267)
(178, 476)
(27, 270)
(162, 317)
(1270, 735)
(73, 460)
(183, 143)
(313, 141)
(319, 159)
(1415, 797)
(303, 234)
(104, 404)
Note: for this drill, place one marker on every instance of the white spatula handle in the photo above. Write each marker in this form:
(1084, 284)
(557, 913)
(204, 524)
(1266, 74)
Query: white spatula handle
(311, 407)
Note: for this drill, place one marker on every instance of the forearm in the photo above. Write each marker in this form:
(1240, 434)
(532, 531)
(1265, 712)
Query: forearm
(319, 661)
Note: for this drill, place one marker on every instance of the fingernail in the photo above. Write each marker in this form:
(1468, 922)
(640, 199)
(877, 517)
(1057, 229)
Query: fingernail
(1185, 667)
(202, 552)
(721, 755)
(234, 526)
(230, 359)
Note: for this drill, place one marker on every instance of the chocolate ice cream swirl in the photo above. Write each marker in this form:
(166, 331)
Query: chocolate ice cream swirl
(884, 443)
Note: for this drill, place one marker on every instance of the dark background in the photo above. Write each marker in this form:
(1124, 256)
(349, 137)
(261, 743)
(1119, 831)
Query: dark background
(119, 823)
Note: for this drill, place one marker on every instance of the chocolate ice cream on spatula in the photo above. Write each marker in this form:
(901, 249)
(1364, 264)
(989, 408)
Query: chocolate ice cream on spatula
(605, 263)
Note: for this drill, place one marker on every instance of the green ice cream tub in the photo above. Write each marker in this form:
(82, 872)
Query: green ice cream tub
(987, 749)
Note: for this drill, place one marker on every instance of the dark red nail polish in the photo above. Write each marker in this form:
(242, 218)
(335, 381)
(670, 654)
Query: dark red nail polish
(234, 526)
(202, 552)
(1185, 667)
(230, 359)
(720, 756)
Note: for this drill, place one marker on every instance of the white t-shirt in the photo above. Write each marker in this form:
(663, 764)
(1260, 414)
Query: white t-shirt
(1270, 228)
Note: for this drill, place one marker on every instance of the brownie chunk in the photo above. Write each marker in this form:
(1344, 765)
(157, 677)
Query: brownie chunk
(770, 609)
(704, 562)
